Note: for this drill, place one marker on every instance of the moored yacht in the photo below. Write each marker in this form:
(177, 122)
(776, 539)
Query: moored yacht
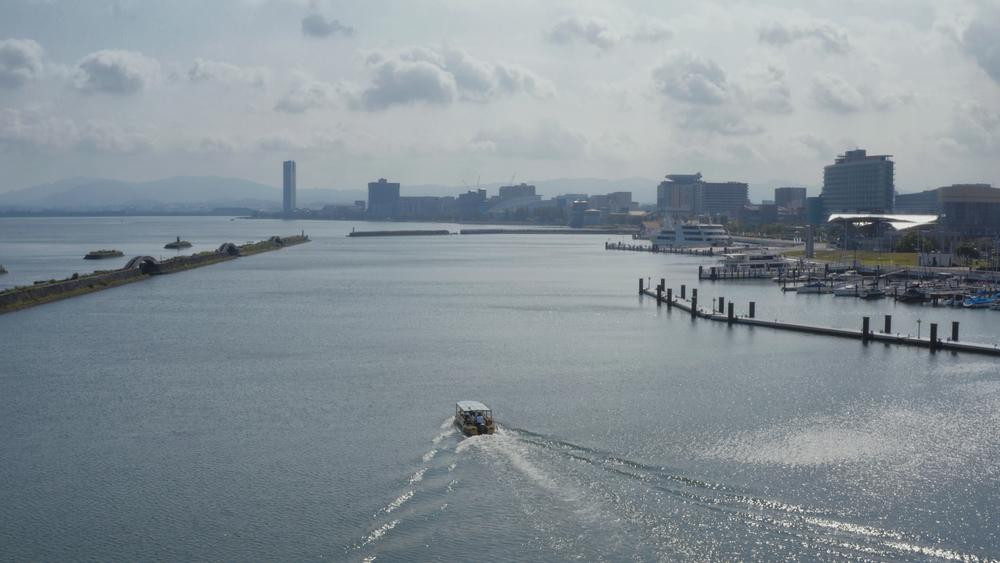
(692, 234)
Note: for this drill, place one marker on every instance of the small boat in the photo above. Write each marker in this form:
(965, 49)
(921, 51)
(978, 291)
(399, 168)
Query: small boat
(814, 287)
(849, 290)
(981, 301)
(912, 295)
(99, 254)
(872, 293)
(474, 418)
(177, 244)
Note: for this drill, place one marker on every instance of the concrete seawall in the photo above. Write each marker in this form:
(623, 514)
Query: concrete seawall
(137, 269)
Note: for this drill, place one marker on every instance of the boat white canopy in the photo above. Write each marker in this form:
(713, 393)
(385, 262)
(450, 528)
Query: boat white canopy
(466, 406)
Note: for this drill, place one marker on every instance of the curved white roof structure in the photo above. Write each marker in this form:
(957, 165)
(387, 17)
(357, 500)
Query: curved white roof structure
(898, 222)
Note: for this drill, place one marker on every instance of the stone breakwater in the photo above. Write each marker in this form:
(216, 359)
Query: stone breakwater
(137, 269)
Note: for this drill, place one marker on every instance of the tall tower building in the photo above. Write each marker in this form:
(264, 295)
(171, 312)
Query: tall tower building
(383, 199)
(859, 183)
(288, 191)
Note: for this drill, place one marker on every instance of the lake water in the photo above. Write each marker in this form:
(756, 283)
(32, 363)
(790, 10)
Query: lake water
(296, 405)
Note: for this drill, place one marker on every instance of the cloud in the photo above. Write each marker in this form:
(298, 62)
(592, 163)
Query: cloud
(595, 31)
(227, 73)
(440, 77)
(33, 130)
(981, 40)
(315, 25)
(826, 35)
(308, 93)
(285, 142)
(548, 140)
(817, 145)
(769, 91)
(116, 72)
(20, 61)
(691, 78)
(835, 94)
(722, 121)
(975, 129)
(602, 34)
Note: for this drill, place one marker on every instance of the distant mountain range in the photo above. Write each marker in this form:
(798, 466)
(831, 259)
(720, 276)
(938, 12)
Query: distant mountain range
(202, 193)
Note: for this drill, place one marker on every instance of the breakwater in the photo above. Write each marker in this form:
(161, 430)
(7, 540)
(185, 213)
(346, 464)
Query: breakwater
(726, 313)
(411, 233)
(137, 269)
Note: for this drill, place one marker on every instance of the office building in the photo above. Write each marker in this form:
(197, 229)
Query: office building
(383, 199)
(288, 187)
(926, 202)
(970, 209)
(678, 195)
(790, 198)
(723, 198)
(859, 183)
(518, 191)
(815, 213)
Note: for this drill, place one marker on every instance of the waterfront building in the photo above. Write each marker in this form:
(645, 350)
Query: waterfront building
(723, 198)
(790, 198)
(383, 199)
(521, 190)
(970, 209)
(471, 204)
(815, 213)
(620, 202)
(678, 195)
(925, 202)
(859, 183)
(288, 187)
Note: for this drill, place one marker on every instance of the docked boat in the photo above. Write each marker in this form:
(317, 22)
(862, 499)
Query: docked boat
(474, 418)
(980, 301)
(755, 261)
(692, 235)
(103, 253)
(912, 295)
(812, 287)
(871, 293)
(177, 244)
(848, 290)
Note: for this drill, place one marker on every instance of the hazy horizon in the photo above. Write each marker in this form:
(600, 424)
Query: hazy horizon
(443, 93)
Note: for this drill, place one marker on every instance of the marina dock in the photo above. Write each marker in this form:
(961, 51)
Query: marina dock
(725, 313)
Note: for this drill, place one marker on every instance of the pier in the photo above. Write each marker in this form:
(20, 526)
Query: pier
(662, 249)
(725, 313)
(137, 269)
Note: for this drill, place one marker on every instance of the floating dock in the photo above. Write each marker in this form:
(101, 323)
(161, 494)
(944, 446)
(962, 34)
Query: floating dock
(725, 313)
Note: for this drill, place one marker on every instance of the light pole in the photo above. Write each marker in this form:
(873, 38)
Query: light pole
(918, 327)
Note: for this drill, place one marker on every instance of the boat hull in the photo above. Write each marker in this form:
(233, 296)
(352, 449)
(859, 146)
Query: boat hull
(472, 430)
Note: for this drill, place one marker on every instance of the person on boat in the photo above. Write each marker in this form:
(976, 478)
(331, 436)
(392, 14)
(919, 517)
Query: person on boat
(480, 423)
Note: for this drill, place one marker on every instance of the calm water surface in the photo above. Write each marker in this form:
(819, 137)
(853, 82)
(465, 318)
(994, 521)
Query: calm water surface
(296, 405)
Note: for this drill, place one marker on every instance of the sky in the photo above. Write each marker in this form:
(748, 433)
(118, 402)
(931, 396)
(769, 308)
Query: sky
(451, 91)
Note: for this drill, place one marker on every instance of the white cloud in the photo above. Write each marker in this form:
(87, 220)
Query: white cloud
(116, 72)
(440, 77)
(34, 130)
(982, 41)
(315, 25)
(827, 36)
(592, 30)
(548, 140)
(308, 93)
(20, 61)
(975, 129)
(691, 78)
(720, 120)
(769, 90)
(227, 73)
(835, 94)
(652, 31)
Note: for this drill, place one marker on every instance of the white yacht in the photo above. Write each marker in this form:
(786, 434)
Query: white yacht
(692, 234)
(756, 261)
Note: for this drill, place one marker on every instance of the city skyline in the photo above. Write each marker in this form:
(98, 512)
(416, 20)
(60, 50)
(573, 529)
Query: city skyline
(764, 95)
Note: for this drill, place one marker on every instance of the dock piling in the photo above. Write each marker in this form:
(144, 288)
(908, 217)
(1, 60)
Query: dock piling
(722, 304)
(753, 309)
(865, 328)
(888, 324)
(933, 336)
(670, 297)
(659, 295)
(640, 286)
(683, 291)
(731, 313)
(954, 331)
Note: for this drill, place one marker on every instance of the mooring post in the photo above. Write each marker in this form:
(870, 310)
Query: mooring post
(865, 324)
(753, 309)
(954, 331)
(670, 297)
(640, 286)
(659, 295)
(714, 273)
(722, 304)
(888, 324)
(683, 291)
(933, 336)
(700, 269)
(694, 303)
(663, 283)
(731, 314)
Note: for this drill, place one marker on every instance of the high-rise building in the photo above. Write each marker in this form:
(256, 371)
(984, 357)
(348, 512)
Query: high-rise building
(679, 195)
(790, 198)
(723, 198)
(288, 187)
(383, 199)
(859, 183)
(971, 209)
(520, 190)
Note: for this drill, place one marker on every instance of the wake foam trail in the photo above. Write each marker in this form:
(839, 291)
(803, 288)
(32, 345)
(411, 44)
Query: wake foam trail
(790, 526)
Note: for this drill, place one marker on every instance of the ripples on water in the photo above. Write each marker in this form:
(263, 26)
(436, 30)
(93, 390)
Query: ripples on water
(588, 504)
